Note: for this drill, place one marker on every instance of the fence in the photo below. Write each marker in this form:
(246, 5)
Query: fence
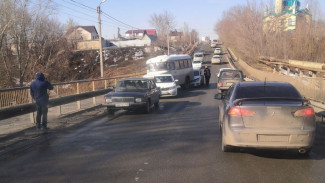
(313, 88)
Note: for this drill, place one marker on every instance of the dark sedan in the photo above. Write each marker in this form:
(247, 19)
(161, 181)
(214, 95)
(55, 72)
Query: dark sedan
(133, 94)
(267, 115)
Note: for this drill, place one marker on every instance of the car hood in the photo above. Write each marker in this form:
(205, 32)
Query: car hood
(165, 85)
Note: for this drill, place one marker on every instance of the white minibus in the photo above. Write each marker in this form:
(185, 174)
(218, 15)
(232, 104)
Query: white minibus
(180, 66)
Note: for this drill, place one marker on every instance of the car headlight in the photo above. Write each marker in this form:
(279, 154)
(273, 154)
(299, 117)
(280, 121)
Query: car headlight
(140, 100)
(108, 100)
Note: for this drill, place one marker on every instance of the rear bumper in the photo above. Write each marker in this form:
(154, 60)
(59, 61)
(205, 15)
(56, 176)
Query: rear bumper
(269, 139)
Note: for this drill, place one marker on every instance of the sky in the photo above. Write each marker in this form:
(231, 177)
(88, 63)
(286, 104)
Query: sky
(201, 15)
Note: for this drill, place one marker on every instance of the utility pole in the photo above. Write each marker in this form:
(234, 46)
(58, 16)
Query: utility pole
(100, 41)
(168, 40)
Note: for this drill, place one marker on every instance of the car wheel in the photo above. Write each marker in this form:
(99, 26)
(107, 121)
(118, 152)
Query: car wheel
(110, 112)
(187, 84)
(147, 109)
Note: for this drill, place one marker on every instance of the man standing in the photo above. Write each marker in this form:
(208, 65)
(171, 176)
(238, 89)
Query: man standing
(207, 75)
(38, 90)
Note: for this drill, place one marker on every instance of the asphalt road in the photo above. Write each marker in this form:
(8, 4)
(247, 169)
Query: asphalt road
(180, 142)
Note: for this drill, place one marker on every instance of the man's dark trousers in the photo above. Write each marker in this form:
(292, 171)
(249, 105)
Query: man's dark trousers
(41, 113)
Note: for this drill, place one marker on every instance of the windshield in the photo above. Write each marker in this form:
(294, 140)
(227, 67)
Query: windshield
(131, 85)
(196, 62)
(198, 55)
(163, 79)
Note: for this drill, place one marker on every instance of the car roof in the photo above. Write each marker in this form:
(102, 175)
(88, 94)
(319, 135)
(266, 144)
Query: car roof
(196, 69)
(263, 83)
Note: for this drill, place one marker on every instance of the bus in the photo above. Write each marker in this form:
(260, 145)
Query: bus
(180, 66)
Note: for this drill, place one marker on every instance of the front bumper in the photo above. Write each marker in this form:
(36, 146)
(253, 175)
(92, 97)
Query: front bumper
(269, 139)
(169, 92)
(126, 106)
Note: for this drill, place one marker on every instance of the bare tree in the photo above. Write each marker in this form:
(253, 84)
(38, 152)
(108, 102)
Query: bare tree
(163, 23)
(26, 37)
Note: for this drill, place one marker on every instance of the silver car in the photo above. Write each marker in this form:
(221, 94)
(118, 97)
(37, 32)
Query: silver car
(267, 115)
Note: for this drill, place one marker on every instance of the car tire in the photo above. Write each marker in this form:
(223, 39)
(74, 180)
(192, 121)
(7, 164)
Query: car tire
(187, 84)
(110, 112)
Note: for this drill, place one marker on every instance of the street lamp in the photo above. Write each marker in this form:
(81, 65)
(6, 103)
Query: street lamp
(100, 41)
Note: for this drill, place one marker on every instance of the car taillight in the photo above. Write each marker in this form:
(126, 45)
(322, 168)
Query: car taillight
(220, 84)
(237, 111)
(304, 112)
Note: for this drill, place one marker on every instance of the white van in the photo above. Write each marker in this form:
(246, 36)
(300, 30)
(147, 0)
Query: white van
(179, 66)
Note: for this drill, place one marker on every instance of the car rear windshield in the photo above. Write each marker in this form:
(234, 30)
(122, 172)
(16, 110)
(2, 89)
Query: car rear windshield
(231, 75)
(196, 62)
(198, 55)
(267, 91)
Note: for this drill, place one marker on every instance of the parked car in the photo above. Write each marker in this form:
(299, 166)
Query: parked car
(228, 78)
(198, 77)
(167, 84)
(216, 59)
(266, 115)
(133, 94)
(223, 69)
(197, 64)
(217, 51)
(198, 56)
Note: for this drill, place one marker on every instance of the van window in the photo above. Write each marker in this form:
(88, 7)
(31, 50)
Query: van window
(185, 64)
(170, 66)
(176, 65)
(181, 64)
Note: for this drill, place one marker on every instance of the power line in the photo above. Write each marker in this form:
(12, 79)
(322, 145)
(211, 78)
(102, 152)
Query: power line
(109, 16)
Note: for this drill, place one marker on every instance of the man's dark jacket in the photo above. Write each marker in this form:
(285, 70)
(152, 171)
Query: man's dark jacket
(38, 89)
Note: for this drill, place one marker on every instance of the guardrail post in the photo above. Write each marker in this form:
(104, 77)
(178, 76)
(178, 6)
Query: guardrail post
(59, 107)
(288, 71)
(105, 84)
(31, 115)
(94, 89)
(78, 92)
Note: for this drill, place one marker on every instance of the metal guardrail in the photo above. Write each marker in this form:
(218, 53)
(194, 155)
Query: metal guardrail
(9, 112)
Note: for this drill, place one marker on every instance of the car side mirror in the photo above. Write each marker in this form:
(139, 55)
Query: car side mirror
(176, 80)
(219, 96)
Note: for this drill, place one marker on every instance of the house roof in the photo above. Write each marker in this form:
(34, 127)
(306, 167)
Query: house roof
(151, 31)
(89, 28)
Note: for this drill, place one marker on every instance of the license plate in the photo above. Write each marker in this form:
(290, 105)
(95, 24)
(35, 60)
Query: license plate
(273, 138)
(122, 105)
